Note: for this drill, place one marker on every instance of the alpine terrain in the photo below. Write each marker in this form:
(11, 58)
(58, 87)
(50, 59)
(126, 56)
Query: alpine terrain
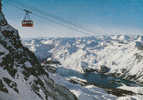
(94, 68)
(21, 75)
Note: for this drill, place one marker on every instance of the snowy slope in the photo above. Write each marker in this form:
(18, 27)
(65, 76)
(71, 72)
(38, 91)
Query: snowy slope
(91, 92)
(121, 55)
(21, 75)
(84, 93)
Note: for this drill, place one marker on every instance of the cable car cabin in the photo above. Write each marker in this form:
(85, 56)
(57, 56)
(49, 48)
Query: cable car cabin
(27, 23)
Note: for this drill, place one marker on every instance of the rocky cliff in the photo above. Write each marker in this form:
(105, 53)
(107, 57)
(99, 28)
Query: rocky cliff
(21, 75)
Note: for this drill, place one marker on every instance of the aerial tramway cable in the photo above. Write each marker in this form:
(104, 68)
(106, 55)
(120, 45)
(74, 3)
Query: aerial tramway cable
(52, 18)
(53, 21)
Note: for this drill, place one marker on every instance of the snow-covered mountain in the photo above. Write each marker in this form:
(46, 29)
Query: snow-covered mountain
(21, 75)
(117, 56)
(123, 55)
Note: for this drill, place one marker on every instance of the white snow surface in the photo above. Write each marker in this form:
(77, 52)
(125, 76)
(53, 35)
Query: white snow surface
(121, 54)
(117, 52)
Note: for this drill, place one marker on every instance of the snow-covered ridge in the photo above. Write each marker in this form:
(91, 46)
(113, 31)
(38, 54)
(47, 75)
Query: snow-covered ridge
(122, 54)
(119, 56)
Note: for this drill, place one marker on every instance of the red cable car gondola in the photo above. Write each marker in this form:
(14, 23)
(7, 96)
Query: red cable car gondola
(27, 22)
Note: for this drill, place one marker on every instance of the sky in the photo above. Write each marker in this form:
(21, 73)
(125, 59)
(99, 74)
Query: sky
(96, 16)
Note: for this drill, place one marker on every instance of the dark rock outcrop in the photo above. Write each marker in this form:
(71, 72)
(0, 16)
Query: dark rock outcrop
(20, 72)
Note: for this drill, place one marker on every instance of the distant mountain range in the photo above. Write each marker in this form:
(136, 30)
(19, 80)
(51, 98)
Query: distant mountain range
(119, 56)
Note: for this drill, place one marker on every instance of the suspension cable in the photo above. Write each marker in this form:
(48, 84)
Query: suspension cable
(52, 18)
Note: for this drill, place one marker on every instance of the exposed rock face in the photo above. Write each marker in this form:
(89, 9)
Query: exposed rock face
(2, 19)
(21, 75)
